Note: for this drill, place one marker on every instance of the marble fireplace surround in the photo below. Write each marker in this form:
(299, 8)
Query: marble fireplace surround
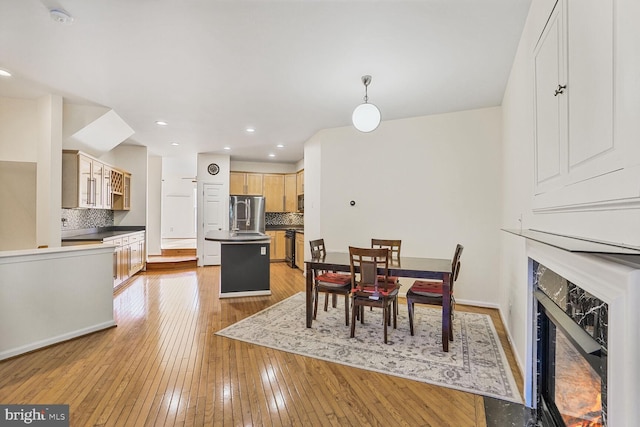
(614, 279)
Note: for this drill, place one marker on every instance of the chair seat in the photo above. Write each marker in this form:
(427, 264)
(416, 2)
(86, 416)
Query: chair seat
(427, 288)
(390, 291)
(333, 280)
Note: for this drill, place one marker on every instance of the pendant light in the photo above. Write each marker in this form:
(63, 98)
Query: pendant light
(366, 117)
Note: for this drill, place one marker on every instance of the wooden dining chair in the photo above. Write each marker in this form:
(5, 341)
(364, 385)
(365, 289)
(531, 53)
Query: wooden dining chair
(430, 292)
(394, 256)
(371, 286)
(328, 282)
(394, 252)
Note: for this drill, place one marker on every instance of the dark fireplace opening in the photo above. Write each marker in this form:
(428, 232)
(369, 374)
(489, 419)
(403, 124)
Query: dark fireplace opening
(571, 353)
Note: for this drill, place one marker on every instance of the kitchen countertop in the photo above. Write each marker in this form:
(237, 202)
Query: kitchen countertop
(90, 234)
(298, 228)
(226, 236)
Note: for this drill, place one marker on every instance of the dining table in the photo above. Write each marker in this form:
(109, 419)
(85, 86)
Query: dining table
(414, 267)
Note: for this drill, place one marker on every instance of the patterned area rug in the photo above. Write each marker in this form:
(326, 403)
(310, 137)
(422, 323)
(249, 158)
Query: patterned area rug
(475, 362)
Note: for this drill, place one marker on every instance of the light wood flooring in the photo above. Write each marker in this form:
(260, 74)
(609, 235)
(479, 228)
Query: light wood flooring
(163, 366)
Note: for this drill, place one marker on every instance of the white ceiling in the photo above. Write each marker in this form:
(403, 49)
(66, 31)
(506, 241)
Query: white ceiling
(288, 68)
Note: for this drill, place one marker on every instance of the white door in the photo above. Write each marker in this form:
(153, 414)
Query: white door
(213, 214)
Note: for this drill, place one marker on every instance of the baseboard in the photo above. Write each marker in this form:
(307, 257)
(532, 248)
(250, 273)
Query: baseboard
(55, 340)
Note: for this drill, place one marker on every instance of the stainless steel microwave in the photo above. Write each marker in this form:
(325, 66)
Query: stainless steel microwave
(300, 202)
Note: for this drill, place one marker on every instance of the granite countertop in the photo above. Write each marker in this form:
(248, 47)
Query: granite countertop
(98, 234)
(233, 237)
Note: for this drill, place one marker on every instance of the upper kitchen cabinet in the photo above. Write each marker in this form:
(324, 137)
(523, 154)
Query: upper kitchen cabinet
(579, 155)
(90, 183)
(290, 193)
(121, 190)
(82, 181)
(300, 182)
(245, 183)
(273, 186)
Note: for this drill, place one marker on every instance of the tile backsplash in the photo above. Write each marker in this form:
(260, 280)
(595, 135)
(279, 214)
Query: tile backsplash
(77, 219)
(284, 218)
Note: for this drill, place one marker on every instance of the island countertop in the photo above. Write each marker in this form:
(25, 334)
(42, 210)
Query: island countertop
(226, 236)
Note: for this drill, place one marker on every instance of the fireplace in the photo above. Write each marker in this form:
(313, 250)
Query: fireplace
(571, 352)
(608, 344)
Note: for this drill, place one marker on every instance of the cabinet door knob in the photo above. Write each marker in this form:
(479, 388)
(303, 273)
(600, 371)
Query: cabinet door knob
(560, 90)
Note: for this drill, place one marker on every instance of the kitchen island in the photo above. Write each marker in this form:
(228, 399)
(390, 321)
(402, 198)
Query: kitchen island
(244, 264)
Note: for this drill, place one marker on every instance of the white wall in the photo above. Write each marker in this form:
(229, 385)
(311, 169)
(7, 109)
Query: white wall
(203, 177)
(133, 159)
(178, 198)
(264, 167)
(621, 226)
(49, 192)
(45, 297)
(31, 132)
(154, 203)
(431, 181)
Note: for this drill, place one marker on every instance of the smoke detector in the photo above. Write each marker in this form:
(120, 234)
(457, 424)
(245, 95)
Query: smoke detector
(61, 16)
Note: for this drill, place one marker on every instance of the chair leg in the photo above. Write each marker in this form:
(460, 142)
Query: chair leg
(353, 319)
(395, 314)
(326, 300)
(451, 326)
(410, 308)
(362, 314)
(385, 314)
(315, 303)
(346, 309)
(334, 300)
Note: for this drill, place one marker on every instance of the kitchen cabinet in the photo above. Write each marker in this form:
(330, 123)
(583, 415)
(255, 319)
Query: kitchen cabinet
(579, 156)
(273, 185)
(300, 182)
(82, 181)
(245, 183)
(290, 193)
(129, 256)
(278, 250)
(300, 251)
(121, 190)
(90, 183)
(106, 188)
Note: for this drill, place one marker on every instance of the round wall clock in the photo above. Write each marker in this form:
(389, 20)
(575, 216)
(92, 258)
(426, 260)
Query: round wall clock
(213, 169)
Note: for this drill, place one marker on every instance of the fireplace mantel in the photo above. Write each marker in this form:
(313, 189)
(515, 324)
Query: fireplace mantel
(611, 273)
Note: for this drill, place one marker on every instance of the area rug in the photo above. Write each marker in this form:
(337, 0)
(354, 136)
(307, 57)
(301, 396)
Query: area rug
(475, 363)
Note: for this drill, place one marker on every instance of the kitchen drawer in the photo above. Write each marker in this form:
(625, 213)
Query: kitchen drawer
(125, 240)
(117, 242)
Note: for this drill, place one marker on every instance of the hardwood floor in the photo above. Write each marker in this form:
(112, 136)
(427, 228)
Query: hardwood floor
(163, 365)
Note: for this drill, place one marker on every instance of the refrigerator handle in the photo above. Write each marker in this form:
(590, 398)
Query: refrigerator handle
(247, 209)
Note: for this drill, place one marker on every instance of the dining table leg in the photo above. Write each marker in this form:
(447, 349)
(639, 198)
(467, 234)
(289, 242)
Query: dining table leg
(309, 295)
(446, 311)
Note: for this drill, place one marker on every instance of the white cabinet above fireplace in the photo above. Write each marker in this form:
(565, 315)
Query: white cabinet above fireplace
(586, 154)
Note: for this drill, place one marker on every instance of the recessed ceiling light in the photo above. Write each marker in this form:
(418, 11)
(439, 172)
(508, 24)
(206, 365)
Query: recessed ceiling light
(175, 144)
(250, 130)
(226, 148)
(280, 145)
(4, 73)
(161, 123)
(272, 155)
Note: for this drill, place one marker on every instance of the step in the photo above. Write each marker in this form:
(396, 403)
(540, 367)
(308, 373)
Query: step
(179, 252)
(171, 262)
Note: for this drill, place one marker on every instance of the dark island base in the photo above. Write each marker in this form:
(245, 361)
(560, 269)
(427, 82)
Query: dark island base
(244, 270)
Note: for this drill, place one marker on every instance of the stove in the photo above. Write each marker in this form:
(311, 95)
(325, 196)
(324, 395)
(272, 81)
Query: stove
(290, 246)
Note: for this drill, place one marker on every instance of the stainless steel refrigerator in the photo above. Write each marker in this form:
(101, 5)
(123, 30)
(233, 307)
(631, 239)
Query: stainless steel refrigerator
(246, 214)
